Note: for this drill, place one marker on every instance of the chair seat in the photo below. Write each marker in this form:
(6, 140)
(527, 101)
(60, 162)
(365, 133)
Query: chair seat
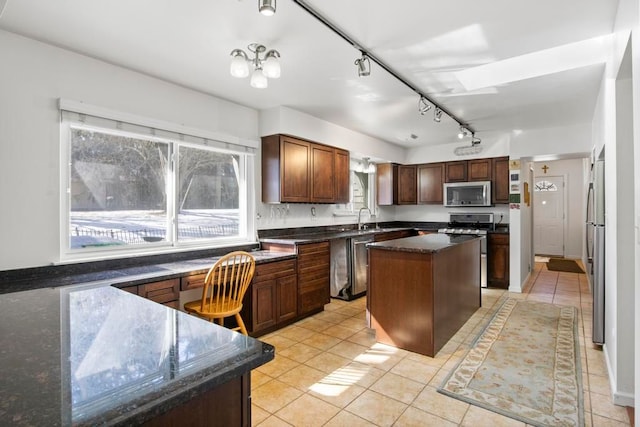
(224, 308)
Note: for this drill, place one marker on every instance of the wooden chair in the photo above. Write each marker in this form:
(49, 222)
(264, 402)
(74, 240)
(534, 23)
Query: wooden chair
(224, 287)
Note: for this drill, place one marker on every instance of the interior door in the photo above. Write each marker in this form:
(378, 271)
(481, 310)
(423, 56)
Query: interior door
(548, 215)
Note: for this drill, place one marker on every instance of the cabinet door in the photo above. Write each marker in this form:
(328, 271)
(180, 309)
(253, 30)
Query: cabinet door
(264, 305)
(479, 170)
(387, 184)
(295, 164)
(322, 174)
(287, 292)
(456, 171)
(498, 260)
(407, 185)
(500, 191)
(430, 180)
(342, 176)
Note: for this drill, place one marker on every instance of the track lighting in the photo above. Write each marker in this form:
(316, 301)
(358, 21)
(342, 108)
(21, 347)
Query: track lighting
(364, 65)
(267, 7)
(437, 115)
(475, 141)
(463, 132)
(267, 66)
(423, 105)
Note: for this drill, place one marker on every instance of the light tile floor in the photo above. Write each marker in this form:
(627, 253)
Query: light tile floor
(329, 371)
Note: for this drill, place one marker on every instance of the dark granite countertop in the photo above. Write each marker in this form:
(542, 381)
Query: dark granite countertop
(84, 355)
(427, 243)
(296, 239)
(129, 276)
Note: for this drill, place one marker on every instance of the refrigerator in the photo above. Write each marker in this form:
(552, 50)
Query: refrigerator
(595, 247)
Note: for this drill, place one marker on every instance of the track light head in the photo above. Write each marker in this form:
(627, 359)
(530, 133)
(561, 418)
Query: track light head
(267, 7)
(475, 141)
(423, 105)
(437, 115)
(364, 65)
(463, 132)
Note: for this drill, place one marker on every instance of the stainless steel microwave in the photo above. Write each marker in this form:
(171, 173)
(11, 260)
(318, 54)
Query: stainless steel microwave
(463, 194)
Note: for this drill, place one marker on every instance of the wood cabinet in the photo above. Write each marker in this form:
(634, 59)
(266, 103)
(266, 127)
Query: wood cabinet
(342, 176)
(479, 170)
(165, 292)
(498, 260)
(387, 184)
(407, 185)
(430, 180)
(228, 404)
(273, 298)
(299, 171)
(456, 171)
(313, 277)
(500, 181)
(390, 235)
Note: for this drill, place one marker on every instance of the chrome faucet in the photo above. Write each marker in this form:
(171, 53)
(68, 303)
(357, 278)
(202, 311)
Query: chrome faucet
(359, 212)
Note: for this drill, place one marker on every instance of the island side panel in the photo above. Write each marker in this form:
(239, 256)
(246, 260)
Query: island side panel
(457, 292)
(400, 299)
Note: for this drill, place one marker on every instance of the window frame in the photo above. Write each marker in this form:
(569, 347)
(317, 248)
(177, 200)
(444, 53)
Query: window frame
(246, 203)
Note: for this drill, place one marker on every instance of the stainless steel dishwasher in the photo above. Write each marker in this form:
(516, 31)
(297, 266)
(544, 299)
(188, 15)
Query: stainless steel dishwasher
(349, 267)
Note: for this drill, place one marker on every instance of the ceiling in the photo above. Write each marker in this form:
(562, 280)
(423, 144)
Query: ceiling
(497, 65)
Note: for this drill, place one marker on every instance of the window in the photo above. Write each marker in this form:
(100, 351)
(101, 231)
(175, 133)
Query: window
(545, 186)
(131, 189)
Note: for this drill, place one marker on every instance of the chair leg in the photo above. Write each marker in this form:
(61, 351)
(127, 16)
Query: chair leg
(243, 329)
(221, 321)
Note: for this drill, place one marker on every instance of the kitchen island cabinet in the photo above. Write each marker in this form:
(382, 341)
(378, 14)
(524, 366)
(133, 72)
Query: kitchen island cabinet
(422, 289)
(96, 355)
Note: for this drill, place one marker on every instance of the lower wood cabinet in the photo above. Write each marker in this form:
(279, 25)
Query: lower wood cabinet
(273, 298)
(166, 292)
(498, 260)
(313, 277)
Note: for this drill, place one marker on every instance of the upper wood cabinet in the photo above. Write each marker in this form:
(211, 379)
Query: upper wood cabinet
(342, 176)
(298, 171)
(387, 184)
(407, 185)
(456, 171)
(430, 180)
(479, 170)
(500, 192)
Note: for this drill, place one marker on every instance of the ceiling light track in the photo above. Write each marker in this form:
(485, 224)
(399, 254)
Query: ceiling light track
(378, 61)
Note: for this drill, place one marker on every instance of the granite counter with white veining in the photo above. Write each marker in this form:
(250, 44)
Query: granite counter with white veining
(86, 355)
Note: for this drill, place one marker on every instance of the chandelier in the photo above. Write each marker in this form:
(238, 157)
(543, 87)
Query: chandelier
(267, 66)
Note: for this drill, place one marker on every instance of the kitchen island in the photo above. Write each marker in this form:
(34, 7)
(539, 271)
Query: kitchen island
(422, 289)
(96, 355)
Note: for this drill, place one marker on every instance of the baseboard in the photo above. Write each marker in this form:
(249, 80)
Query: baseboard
(619, 397)
(520, 286)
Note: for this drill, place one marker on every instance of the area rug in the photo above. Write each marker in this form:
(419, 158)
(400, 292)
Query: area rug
(524, 365)
(566, 265)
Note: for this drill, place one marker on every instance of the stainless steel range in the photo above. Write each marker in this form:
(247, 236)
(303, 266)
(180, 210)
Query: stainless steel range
(476, 224)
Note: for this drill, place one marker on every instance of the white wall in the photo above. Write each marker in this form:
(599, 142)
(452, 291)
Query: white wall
(33, 76)
(575, 190)
(620, 295)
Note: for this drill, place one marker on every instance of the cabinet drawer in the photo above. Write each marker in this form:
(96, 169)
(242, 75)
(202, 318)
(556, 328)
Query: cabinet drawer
(499, 239)
(274, 270)
(192, 282)
(130, 289)
(164, 291)
(312, 300)
(313, 248)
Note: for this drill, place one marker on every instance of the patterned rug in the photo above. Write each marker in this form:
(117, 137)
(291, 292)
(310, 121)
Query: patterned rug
(524, 365)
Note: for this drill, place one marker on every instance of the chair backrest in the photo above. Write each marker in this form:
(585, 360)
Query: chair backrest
(227, 281)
